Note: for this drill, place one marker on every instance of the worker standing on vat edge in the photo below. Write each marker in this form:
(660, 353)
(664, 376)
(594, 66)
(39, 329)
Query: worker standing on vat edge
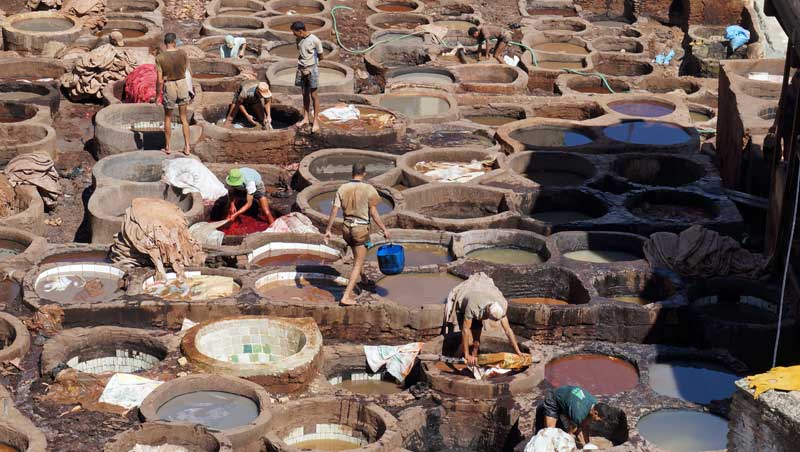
(487, 32)
(252, 98)
(578, 407)
(359, 203)
(172, 65)
(309, 54)
(468, 305)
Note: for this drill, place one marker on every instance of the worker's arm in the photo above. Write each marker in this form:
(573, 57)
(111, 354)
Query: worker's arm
(510, 334)
(231, 113)
(320, 50)
(583, 431)
(466, 342)
(242, 48)
(247, 116)
(244, 208)
(331, 219)
(373, 212)
(159, 82)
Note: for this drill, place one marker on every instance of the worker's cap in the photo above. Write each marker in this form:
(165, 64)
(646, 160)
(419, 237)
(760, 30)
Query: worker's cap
(234, 178)
(263, 89)
(496, 311)
(230, 41)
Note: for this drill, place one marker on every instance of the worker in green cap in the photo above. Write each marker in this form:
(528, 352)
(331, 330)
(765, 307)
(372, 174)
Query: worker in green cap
(246, 183)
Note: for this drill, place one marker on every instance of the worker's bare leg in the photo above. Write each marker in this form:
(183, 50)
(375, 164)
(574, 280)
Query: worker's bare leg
(185, 123)
(315, 99)
(264, 205)
(167, 129)
(476, 339)
(359, 254)
(306, 106)
(499, 51)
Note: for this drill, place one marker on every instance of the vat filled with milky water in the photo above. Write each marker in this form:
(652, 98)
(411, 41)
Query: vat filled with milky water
(693, 381)
(327, 76)
(550, 136)
(424, 77)
(127, 33)
(561, 47)
(44, 24)
(214, 409)
(80, 283)
(642, 108)
(323, 203)
(647, 132)
(414, 290)
(416, 106)
(417, 254)
(507, 255)
(366, 383)
(601, 256)
(598, 374)
(684, 430)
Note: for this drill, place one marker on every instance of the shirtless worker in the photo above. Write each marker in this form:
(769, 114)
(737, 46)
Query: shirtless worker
(172, 65)
(252, 98)
(487, 32)
(247, 183)
(579, 407)
(309, 54)
(359, 203)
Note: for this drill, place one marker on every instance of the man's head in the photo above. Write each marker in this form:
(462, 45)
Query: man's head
(230, 41)
(170, 39)
(234, 178)
(601, 412)
(494, 311)
(473, 31)
(359, 170)
(299, 29)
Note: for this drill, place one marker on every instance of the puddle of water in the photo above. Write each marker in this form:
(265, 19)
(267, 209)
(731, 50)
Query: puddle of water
(455, 25)
(428, 288)
(323, 203)
(492, 120)
(684, 430)
(699, 116)
(550, 137)
(416, 106)
(50, 25)
(214, 409)
(127, 33)
(78, 256)
(298, 9)
(396, 8)
(78, 287)
(598, 374)
(327, 76)
(560, 216)
(633, 299)
(601, 256)
(326, 444)
(693, 381)
(642, 108)
(538, 300)
(550, 178)
(575, 65)
(506, 255)
(287, 27)
(645, 132)
(563, 47)
(292, 259)
(429, 78)
(315, 291)
(417, 254)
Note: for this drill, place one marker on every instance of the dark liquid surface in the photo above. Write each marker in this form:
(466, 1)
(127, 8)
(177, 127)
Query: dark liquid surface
(550, 178)
(560, 216)
(215, 409)
(428, 288)
(684, 430)
(671, 212)
(43, 25)
(598, 374)
(694, 381)
(457, 211)
(644, 109)
(417, 254)
(601, 256)
(550, 137)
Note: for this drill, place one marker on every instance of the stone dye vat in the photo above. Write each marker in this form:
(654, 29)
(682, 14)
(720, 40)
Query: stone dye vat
(417, 254)
(661, 170)
(642, 108)
(279, 254)
(416, 106)
(302, 286)
(697, 431)
(78, 283)
(455, 207)
(323, 203)
(598, 374)
(15, 341)
(140, 167)
(215, 409)
(638, 286)
(553, 169)
(366, 383)
(336, 164)
(502, 247)
(693, 381)
(193, 438)
(673, 206)
(555, 209)
(196, 286)
(600, 247)
(647, 133)
(543, 137)
(271, 351)
(430, 288)
(31, 31)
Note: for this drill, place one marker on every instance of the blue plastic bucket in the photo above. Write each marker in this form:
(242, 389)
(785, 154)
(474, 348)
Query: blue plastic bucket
(391, 259)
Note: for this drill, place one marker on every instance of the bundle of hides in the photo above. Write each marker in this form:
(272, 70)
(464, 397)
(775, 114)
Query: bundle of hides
(92, 12)
(140, 85)
(155, 233)
(37, 169)
(458, 172)
(700, 253)
(94, 70)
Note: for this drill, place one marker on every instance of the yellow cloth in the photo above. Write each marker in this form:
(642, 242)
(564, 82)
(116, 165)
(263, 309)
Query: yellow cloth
(780, 378)
(505, 360)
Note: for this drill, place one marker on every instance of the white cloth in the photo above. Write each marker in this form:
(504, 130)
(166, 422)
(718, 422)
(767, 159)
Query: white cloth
(512, 61)
(237, 45)
(342, 114)
(398, 359)
(192, 176)
(128, 391)
(487, 372)
(294, 222)
(551, 440)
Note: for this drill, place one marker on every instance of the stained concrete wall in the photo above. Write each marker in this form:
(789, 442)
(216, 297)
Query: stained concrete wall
(769, 424)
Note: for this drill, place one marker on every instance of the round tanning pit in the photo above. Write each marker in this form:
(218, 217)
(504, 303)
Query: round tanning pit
(269, 351)
(192, 438)
(636, 287)
(140, 167)
(660, 170)
(215, 74)
(283, 118)
(18, 436)
(698, 431)
(332, 424)
(280, 27)
(333, 77)
(573, 111)
(336, 164)
(16, 139)
(502, 247)
(551, 136)
(419, 106)
(253, 50)
(664, 85)
(622, 67)
(302, 287)
(599, 247)
(692, 380)
(82, 253)
(134, 32)
(618, 45)
(561, 25)
(395, 6)
(594, 85)
(29, 32)
(282, 254)
(323, 203)
(365, 383)
(11, 112)
(397, 21)
(417, 254)
(556, 287)
(395, 37)
(196, 286)
(31, 93)
(374, 127)
(673, 206)
(457, 380)
(735, 301)
(247, 26)
(15, 341)
(553, 169)
(383, 59)
(296, 7)
(15, 242)
(648, 133)
(490, 78)
(642, 108)
(558, 43)
(492, 115)
(555, 209)
(418, 77)
(101, 350)
(548, 8)
(121, 128)
(700, 114)
(79, 283)
(455, 207)
(449, 165)
(560, 61)
(429, 288)
(761, 90)
(597, 374)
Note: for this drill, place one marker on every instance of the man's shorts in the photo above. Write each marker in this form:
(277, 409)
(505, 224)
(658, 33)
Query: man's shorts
(307, 77)
(355, 235)
(176, 93)
(505, 38)
(260, 192)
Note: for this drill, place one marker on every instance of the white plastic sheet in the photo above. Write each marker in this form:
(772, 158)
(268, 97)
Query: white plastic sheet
(192, 176)
(551, 440)
(128, 391)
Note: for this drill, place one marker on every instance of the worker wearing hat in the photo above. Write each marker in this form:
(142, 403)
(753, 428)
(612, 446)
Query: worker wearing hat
(233, 47)
(248, 183)
(252, 98)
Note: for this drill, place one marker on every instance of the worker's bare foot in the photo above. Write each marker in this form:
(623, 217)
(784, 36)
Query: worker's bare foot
(303, 122)
(315, 127)
(187, 151)
(347, 302)
(166, 151)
